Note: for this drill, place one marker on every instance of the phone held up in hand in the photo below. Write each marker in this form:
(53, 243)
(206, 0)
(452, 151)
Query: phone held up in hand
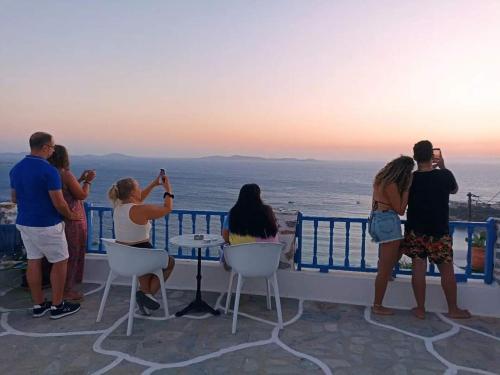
(436, 157)
(162, 176)
(436, 154)
(87, 172)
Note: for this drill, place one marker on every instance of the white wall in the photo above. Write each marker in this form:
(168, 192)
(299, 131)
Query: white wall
(336, 286)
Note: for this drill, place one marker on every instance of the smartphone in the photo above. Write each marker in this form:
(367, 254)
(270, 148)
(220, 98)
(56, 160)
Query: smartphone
(436, 153)
(87, 171)
(162, 174)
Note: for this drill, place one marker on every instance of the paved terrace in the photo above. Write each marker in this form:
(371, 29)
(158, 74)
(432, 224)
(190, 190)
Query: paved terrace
(318, 338)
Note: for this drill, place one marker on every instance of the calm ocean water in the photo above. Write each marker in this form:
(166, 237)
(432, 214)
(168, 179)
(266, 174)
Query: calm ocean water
(336, 188)
(333, 188)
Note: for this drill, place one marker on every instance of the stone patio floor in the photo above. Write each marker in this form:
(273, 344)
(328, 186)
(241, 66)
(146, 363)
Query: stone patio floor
(318, 338)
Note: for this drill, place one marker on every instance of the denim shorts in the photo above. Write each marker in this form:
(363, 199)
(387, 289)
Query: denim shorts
(385, 226)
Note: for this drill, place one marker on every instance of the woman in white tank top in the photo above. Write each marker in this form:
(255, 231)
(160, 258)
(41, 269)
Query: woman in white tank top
(131, 219)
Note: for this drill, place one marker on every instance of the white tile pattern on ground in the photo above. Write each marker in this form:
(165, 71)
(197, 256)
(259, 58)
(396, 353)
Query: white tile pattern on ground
(317, 338)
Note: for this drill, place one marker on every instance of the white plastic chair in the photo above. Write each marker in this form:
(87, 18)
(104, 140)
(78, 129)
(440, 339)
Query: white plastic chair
(260, 259)
(133, 261)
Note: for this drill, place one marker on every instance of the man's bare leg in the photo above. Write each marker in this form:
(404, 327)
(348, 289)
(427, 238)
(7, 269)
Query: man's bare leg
(419, 268)
(449, 285)
(57, 280)
(34, 279)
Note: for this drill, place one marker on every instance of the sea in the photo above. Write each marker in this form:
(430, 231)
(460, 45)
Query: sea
(313, 187)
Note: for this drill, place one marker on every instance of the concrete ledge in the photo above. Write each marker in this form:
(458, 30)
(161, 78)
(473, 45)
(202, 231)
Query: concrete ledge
(336, 286)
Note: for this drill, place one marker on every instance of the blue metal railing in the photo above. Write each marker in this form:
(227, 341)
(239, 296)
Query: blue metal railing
(345, 256)
(322, 237)
(170, 225)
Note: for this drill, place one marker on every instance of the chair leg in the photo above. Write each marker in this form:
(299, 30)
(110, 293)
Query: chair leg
(105, 295)
(229, 291)
(268, 290)
(132, 306)
(278, 302)
(160, 276)
(237, 303)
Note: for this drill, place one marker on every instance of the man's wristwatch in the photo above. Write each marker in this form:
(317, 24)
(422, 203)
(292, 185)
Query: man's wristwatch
(167, 194)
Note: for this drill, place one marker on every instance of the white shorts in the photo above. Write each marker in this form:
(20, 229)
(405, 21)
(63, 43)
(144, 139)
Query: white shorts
(49, 242)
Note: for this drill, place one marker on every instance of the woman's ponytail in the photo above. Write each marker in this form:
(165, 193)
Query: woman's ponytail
(113, 195)
(121, 190)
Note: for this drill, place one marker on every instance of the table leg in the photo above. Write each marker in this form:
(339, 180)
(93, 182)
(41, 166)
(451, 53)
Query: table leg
(198, 305)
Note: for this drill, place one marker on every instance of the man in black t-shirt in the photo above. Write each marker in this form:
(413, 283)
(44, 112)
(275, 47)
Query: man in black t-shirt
(426, 230)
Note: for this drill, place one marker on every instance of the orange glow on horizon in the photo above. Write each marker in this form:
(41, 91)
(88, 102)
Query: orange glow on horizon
(348, 81)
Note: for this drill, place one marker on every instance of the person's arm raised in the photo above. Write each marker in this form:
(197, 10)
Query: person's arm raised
(141, 213)
(61, 206)
(147, 190)
(156, 182)
(452, 180)
(77, 191)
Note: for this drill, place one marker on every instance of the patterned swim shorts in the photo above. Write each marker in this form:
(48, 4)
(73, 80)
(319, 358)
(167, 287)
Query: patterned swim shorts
(438, 249)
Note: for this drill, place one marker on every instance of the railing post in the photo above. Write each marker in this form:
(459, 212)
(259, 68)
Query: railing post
(100, 230)
(468, 268)
(363, 245)
(315, 243)
(330, 247)
(193, 227)
(207, 250)
(347, 235)
(90, 224)
(298, 234)
(193, 222)
(489, 258)
(180, 218)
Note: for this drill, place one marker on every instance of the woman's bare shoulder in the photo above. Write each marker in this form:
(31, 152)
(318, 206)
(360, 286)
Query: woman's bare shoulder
(65, 172)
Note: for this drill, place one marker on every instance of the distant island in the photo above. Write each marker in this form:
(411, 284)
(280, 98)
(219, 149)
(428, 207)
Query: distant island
(253, 158)
(10, 156)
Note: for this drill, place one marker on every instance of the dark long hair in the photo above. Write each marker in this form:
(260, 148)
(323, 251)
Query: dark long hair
(59, 158)
(250, 216)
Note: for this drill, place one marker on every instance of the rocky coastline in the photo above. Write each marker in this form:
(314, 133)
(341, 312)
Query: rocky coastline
(459, 211)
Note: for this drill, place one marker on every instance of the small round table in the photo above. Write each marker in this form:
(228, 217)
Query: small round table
(187, 240)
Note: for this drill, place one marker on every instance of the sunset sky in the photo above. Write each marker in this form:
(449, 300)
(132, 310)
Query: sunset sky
(320, 79)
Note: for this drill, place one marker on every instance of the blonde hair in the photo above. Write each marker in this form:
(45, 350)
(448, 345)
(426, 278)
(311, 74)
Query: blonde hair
(121, 190)
(397, 171)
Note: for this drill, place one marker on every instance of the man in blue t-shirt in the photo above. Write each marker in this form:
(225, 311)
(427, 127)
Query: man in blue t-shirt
(426, 230)
(37, 190)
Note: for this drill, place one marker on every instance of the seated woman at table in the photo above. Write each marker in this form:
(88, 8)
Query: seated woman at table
(250, 220)
(131, 219)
